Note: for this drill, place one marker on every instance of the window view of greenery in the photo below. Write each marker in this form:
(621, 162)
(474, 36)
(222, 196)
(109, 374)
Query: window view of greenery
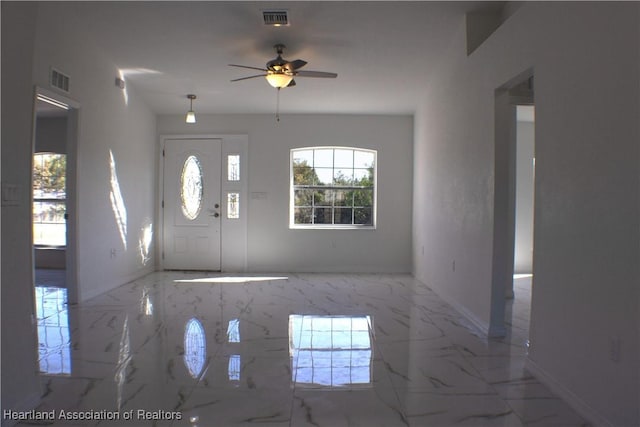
(49, 199)
(333, 186)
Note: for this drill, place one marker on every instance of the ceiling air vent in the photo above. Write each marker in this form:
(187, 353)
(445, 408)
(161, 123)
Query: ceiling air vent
(275, 18)
(59, 80)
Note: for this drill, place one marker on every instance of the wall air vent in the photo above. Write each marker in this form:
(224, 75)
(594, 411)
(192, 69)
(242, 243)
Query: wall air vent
(275, 18)
(59, 80)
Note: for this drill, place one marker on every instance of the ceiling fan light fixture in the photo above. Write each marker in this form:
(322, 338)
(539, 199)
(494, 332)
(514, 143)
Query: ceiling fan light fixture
(279, 80)
(191, 116)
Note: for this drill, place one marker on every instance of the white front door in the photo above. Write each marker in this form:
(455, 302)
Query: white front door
(192, 204)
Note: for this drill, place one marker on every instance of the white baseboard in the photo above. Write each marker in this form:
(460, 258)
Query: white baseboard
(579, 405)
(122, 281)
(479, 325)
(27, 404)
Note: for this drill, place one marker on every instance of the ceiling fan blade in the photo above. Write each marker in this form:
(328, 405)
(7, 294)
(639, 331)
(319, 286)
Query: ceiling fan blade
(250, 68)
(250, 77)
(294, 65)
(315, 74)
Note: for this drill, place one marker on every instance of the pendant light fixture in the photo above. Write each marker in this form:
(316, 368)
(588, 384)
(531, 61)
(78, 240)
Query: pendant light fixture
(191, 116)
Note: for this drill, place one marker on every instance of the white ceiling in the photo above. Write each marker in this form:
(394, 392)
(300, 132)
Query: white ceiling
(383, 52)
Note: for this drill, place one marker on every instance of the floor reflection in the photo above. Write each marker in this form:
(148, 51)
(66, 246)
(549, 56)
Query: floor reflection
(234, 367)
(195, 347)
(330, 351)
(388, 349)
(124, 359)
(53, 330)
(233, 330)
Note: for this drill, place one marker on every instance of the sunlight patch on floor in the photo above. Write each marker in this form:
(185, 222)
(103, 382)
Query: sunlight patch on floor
(228, 279)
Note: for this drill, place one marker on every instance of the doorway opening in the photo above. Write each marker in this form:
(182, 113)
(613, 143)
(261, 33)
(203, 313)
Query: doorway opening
(53, 219)
(518, 305)
(514, 198)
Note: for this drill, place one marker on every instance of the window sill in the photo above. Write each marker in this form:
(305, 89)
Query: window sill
(332, 227)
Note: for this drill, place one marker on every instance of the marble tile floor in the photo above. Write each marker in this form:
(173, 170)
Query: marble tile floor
(49, 277)
(518, 309)
(189, 349)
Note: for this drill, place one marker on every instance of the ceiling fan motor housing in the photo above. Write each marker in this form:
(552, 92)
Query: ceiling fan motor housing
(278, 65)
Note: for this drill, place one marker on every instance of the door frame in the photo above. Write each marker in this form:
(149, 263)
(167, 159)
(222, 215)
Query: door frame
(233, 232)
(504, 206)
(71, 249)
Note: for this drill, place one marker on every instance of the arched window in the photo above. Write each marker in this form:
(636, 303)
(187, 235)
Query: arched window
(332, 187)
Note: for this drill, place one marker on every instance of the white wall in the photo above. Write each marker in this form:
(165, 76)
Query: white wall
(20, 384)
(51, 135)
(272, 246)
(586, 65)
(523, 256)
(109, 122)
(33, 39)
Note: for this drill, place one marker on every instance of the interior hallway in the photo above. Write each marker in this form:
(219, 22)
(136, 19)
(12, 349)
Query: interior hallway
(288, 350)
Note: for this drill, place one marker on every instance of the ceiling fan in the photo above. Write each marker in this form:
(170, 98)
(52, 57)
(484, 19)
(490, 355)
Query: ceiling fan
(280, 73)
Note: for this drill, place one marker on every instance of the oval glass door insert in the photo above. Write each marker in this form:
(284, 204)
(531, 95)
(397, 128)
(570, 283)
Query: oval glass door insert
(191, 188)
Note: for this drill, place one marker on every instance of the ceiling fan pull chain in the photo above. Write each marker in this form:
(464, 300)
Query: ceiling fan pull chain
(278, 106)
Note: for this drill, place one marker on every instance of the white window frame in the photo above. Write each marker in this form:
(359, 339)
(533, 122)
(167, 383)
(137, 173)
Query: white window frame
(292, 187)
(56, 200)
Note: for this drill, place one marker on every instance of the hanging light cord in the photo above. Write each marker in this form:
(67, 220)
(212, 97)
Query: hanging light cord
(278, 106)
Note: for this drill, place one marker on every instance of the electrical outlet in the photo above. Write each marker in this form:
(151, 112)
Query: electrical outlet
(113, 253)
